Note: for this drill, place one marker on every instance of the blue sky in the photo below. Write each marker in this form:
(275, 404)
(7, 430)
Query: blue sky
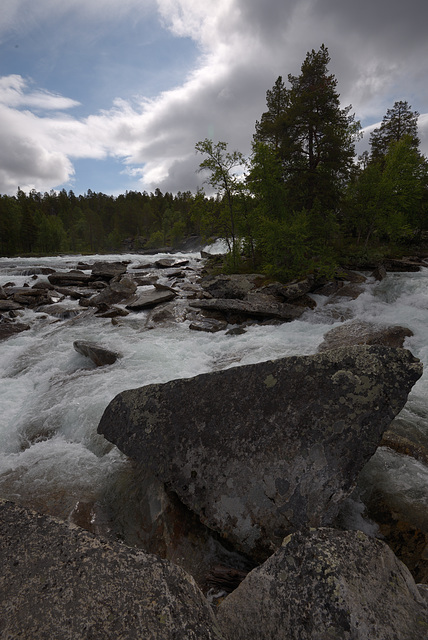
(111, 95)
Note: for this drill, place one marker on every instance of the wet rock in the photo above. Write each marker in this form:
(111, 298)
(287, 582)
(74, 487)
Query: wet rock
(60, 311)
(9, 328)
(403, 265)
(149, 299)
(350, 291)
(108, 270)
(260, 306)
(361, 332)
(66, 583)
(393, 490)
(117, 291)
(235, 286)
(167, 263)
(209, 325)
(75, 277)
(379, 273)
(10, 305)
(261, 450)
(339, 585)
(104, 311)
(290, 291)
(99, 355)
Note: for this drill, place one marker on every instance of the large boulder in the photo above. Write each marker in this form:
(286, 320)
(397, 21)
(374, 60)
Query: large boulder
(327, 584)
(59, 581)
(262, 450)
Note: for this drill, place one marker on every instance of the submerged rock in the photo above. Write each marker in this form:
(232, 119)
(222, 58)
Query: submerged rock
(99, 355)
(59, 581)
(261, 450)
(321, 584)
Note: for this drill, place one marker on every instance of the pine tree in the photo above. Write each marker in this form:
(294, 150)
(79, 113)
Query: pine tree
(398, 122)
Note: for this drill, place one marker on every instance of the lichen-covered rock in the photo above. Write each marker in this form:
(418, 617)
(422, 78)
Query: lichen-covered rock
(262, 450)
(60, 582)
(327, 584)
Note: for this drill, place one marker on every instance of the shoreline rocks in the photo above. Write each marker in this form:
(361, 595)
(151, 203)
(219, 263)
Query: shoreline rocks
(323, 583)
(59, 581)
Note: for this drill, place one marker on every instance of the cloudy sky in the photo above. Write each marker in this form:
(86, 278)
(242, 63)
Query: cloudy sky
(111, 95)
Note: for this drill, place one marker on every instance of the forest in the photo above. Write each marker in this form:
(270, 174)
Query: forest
(301, 202)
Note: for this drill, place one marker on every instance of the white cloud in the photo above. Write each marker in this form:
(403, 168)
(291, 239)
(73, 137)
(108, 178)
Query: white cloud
(243, 46)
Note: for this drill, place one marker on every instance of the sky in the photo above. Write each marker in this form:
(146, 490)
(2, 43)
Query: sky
(113, 95)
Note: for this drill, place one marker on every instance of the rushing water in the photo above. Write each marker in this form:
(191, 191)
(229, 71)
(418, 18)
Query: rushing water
(52, 398)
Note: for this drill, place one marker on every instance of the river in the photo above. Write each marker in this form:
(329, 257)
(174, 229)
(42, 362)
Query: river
(52, 398)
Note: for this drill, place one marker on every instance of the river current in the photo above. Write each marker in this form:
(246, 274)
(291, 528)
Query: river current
(52, 398)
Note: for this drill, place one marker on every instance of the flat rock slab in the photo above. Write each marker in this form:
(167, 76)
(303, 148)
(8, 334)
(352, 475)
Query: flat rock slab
(262, 450)
(149, 299)
(99, 355)
(327, 584)
(258, 307)
(61, 582)
(108, 269)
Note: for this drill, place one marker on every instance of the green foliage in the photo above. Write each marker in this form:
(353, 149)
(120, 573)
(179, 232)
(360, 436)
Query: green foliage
(398, 122)
(221, 166)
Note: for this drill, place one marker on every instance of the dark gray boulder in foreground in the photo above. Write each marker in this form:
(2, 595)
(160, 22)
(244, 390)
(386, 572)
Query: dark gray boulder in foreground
(327, 584)
(262, 450)
(62, 583)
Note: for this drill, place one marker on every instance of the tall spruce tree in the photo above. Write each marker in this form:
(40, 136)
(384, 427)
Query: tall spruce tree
(398, 122)
(313, 135)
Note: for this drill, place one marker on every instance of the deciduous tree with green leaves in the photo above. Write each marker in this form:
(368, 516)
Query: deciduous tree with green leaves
(225, 178)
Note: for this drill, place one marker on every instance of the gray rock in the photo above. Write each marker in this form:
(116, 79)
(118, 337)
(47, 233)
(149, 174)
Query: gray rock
(117, 291)
(99, 355)
(108, 270)
(261, 450)
(209, 325)
(361, 332)
(8, 329)
(9, 305)
(260, 306)
(292, 290)
(327, 584)
(73, 277)
(60, 582)
(149, 299)
(167, 263)
(235, 286)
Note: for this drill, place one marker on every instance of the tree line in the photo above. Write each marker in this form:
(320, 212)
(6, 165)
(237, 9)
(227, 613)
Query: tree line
(300, 203)
(94, 222)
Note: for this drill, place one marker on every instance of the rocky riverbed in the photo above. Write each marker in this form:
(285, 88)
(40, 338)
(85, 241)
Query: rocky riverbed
(195, 452)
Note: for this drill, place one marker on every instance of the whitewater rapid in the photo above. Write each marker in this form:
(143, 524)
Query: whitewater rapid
(52, 398)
